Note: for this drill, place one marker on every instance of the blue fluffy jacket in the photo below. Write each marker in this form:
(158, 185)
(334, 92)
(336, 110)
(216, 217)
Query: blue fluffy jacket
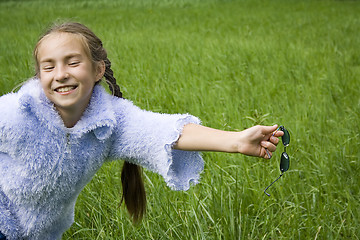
(44, 165)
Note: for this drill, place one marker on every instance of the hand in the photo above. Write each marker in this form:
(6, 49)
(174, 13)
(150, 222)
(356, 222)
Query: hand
(255, 140)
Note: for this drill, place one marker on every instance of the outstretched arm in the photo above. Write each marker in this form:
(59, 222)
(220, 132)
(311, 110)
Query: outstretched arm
(253, 141)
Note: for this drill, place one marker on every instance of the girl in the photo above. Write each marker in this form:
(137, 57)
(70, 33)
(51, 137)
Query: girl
(61, 126)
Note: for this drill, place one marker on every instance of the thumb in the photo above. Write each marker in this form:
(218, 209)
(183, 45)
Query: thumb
(269, 129)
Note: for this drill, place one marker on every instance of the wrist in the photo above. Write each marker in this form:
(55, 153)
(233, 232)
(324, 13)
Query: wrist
(238, 142)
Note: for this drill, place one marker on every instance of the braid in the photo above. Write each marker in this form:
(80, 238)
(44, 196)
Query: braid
(109, 75)
(133, 189)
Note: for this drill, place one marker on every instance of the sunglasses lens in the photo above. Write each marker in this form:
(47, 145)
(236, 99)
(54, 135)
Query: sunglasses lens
(284, 162)
(286, 137)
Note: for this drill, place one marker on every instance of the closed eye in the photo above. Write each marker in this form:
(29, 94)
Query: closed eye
(48, 68)
(74, 64)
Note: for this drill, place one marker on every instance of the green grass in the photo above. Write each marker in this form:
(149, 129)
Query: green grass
(233, 64)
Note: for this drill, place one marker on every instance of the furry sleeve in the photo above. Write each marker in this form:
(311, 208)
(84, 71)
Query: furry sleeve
(8, 119)
(146, 139)
(8, 221)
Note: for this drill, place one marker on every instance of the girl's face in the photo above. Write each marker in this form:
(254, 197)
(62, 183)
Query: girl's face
(66, 72)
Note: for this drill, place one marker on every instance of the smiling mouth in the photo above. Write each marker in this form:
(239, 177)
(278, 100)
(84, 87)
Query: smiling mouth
(65, 89)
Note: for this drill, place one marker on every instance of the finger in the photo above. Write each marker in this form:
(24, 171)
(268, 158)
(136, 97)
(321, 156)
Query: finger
(266, 130)
(278, 133)
(274, 140)
(268, 145)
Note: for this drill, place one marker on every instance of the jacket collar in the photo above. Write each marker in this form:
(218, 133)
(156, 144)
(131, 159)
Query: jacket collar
(98, 117)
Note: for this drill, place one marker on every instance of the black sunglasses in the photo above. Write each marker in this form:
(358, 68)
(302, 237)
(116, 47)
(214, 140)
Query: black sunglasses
(285, 160)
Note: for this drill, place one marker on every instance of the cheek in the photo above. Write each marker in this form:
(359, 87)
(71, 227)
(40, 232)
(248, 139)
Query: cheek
(88, 77)
(44, 82)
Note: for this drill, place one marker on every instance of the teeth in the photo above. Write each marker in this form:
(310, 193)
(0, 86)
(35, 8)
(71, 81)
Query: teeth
(65, 89)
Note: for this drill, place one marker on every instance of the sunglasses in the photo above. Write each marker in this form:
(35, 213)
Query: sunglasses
(285, 160)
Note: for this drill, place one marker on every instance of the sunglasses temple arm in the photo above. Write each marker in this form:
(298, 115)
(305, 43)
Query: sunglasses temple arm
(267, 152)
(276, 130)
(271, 184)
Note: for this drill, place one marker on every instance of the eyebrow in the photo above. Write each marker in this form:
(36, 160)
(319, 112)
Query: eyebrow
(67, 57)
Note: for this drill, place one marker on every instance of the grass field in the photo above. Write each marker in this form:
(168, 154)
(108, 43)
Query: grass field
(233, 64)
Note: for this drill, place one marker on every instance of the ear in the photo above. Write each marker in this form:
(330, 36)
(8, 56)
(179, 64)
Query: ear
(100, 70)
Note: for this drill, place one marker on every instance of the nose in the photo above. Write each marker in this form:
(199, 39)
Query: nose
(61, 73)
